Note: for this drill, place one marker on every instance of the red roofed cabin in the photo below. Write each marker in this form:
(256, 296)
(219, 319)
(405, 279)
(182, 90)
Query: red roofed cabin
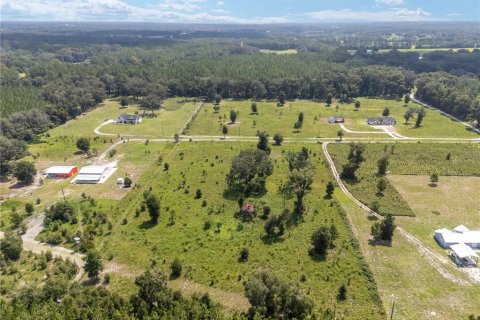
(248, 208)
(61, 171)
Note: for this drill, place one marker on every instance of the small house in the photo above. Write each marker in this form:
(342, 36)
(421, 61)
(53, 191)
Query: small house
(381, 121)
(336, 119)
(129, 118)
(62, 172)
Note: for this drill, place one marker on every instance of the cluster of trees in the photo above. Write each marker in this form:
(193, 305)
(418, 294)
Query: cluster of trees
(60, 299)
(458, 96)
(355, 158)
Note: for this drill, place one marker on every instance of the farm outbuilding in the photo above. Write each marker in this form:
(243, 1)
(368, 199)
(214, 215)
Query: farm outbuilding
(61, 171)
(464, 255)
(336, 119)
(381, 121)
(91, 174)
(461, 234)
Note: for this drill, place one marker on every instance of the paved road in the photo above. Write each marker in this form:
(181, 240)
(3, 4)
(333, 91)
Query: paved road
(435, 259)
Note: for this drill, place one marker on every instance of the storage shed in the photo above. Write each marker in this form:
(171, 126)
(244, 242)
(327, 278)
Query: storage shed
(61, 171)
(447, 238)
(91, 174)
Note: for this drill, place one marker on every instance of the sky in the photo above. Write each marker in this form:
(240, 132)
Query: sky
(240, 11)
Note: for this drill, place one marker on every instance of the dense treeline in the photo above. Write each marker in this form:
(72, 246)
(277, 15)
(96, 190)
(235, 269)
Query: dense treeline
(459, 96)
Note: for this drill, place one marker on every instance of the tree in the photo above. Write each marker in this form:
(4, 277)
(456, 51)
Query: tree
(11, 245)
(176, 137)
(217, 99)
(420, 115)
(355, 158)
(124, 102)
(321, 240)
(300, 117)
(254, 108)
(216, 108)
(408, 115)
(153, 206)
(29, 208)
(274, 226)
(244, 253)
(381, 185)
(24, 171)
(62, 210)
(263, 142)
(153, 289)
(407, 98)
(249, 171)
(281, 98)
(93, 264)
(224, 131)
(297, 125)
(176, 268)
(278, 138)
(272, 298)
(382, 165)
(329, 99)
(357, 104)
(83, 144)
(383, 229)
(233, 116)
(127, 182)
(434, 179)
(151, 102)
(340, 134)
(329, 189)
(386, 112)
(299, 182)
(342, 293)
(297, 160)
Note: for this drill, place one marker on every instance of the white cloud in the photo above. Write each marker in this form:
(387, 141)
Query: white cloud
(118, 10)
(391, 2)
(398, 14)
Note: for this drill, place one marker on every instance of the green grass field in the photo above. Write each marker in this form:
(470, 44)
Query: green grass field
(425, 50)
(405, 159)
(275, 119)
(404, 275)
(459, 204)
(210, 257)
(278, 52)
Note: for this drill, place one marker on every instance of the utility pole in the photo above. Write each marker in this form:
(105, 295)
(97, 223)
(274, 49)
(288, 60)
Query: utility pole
(63, 193)
(393, 309)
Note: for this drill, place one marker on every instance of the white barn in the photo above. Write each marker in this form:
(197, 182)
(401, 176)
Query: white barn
(91, 174)
(460, 234)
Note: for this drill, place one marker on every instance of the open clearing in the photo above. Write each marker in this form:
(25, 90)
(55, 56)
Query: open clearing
(210, 256)
(459, 204)
(275, 119)
(278, 52)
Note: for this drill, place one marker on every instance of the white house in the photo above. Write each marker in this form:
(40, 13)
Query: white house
(460, 234)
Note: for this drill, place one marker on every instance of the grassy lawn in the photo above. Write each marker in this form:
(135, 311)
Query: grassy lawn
(167, 122)
(279, 52)
(425, 50)
(275, 119)
(210, 257)
(459, 204)
(403, 274)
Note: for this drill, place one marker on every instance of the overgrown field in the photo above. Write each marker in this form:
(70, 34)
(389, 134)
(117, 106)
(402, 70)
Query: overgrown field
(14, 99)
(410, 159)
(274, 119)
(207, 236)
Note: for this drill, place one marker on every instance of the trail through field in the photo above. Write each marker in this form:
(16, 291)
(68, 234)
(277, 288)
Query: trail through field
(436, 260)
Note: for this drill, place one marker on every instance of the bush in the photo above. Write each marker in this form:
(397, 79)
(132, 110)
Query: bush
(198, 194)
(342, 293)
(176, 268)
(383, 230)
(112, 152)
(278, 138)
(321, 240)
(127, 182)
(29, 208)
(11, 245)
(244, 253)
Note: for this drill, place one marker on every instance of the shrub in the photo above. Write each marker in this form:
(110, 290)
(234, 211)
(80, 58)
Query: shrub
(244, 253)
(127, 182)
(342, 293)
(11, 245)
(321, 240)
(176, 268)
(29, 208)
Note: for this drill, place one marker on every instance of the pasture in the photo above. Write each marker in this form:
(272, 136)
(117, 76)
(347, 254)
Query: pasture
(278, 52)
(459, 204)
(210, 255)
(405, 159)
(274, 119)
(403, 275)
